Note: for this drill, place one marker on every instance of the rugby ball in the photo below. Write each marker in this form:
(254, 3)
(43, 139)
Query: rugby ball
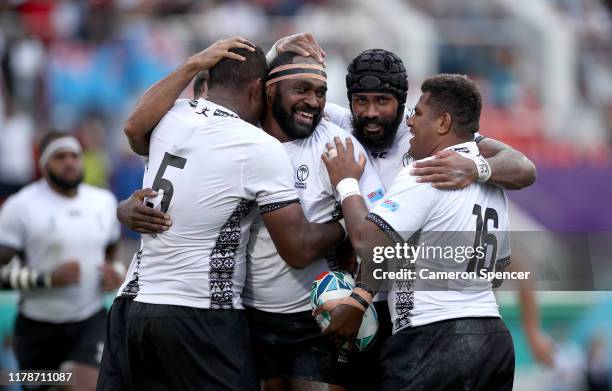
(336, 285)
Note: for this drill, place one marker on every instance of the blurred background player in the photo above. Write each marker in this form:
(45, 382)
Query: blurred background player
(65, 234)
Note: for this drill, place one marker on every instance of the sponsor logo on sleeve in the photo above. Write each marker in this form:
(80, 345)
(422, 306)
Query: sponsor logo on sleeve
(221, 113)
(376, 195)
(390, 205)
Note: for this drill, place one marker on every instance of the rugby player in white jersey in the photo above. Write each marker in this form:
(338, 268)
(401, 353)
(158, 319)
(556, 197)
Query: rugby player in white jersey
(443, 339)
(378, 119)
(213, 169)
(65, 234)
(290, 350)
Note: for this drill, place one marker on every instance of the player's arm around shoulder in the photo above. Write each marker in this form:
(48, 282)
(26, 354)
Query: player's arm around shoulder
(268, 178)
(499, 164)
(157, 100)
(510, 168)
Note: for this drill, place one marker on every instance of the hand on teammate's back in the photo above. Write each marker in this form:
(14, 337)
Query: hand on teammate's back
(210, 56)
(68, 273)
(304, 44)
(448, 171)
(340, 161)
(140, 218)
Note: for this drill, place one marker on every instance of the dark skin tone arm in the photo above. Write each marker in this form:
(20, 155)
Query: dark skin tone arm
(305, 242)
(158, 99)
(510, 168)
(346, 313)
(299, 246)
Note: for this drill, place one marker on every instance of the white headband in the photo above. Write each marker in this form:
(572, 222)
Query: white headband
(68, 143)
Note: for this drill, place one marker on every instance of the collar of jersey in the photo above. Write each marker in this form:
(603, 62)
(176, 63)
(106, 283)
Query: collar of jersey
(468, 148)
(216, 106)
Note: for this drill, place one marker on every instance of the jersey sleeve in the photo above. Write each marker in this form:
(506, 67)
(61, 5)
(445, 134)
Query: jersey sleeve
(12, 225)
(339, 116)
(405, 208)
(268, 176)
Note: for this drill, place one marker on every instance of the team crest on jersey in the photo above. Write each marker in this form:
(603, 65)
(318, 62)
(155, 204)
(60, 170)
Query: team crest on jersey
(407, 159)
(376, 195)
(390, 205)
(221, 113)
(301, 174)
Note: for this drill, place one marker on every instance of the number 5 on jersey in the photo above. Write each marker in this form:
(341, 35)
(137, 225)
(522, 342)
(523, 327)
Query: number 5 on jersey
(161, 183)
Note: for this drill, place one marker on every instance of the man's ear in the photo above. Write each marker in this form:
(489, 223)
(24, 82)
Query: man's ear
(270, 94)
(445, 123)
(255, 90)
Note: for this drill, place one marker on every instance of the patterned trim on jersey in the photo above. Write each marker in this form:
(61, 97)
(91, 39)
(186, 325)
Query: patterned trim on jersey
(503, 262)
(386, 227)
(223, 258)
(276, 205)
(132, 288)
(404, 289)
(479, 139)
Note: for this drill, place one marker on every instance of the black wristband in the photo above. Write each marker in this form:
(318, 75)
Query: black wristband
(360, 300)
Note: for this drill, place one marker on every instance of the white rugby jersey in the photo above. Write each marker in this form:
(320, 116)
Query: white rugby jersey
(387, 163)
(51, 229)
(214, 169)
(411, 208)
(272, 285)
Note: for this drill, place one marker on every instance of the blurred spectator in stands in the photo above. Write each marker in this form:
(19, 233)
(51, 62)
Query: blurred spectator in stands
(96, 163)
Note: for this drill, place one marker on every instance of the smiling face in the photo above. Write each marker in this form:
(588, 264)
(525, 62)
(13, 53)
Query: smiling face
(424, 125)
(375, 118)
(298, 104)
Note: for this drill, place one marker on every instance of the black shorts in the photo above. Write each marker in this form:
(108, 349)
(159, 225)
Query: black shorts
(183, 348)
(364, 367)
(45, 345)
(291, 346)
(460, 354)
(114, 375)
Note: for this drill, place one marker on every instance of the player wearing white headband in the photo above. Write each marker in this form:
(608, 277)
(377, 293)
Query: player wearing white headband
(65, 235)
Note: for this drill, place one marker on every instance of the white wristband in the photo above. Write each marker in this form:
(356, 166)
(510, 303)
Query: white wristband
(483, 168)
(347, 187)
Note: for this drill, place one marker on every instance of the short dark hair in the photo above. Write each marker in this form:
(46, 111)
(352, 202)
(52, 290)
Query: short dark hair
(199, 82)
(458, 96)
(49, 137)
(236, 74)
